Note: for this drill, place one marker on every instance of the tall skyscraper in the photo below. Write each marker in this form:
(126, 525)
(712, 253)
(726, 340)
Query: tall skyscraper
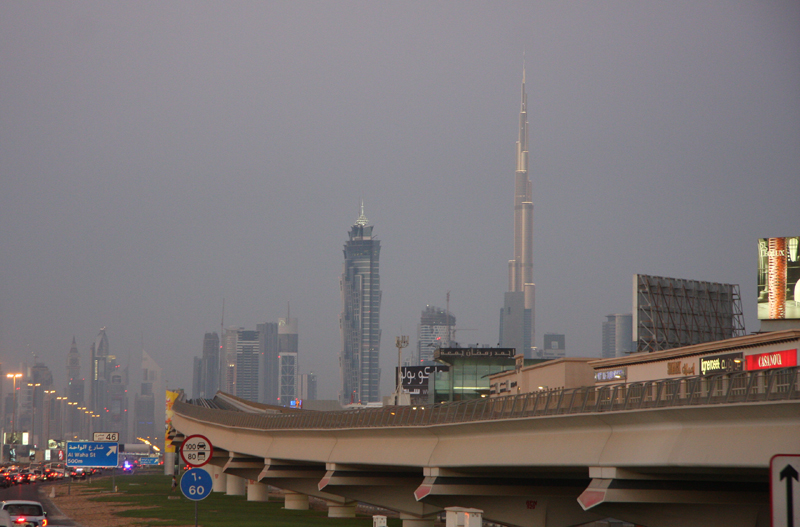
(554, 347)
(268, 347)
(517, 329)
(432, 333)
(108, 388)
(98, 383)
(287, 360)
(146, 424)
(227, 360)
(197, 378)
(114, 416)
(247, 359)
(209, 375)
(359, 322)
(307, 386)
(74, 380)
(618, 336)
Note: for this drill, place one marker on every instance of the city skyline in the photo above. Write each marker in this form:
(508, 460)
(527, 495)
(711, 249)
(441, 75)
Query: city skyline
(147, 179)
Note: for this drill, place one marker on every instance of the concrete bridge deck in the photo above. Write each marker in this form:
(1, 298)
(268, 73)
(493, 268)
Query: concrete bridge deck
(689, 452)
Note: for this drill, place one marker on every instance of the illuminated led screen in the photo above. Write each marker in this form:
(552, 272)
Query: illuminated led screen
(778, 278)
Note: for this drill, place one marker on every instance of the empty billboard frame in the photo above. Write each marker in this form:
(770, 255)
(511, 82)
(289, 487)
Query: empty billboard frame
(672, 312)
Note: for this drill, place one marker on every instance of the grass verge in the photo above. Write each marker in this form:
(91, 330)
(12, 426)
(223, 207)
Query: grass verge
(152, 493)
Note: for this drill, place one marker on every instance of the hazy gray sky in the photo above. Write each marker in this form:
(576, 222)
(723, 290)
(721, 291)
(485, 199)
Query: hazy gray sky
(156, 157)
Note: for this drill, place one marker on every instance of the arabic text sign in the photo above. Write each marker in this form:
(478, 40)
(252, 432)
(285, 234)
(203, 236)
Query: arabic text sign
(92, 454)
(493, 353)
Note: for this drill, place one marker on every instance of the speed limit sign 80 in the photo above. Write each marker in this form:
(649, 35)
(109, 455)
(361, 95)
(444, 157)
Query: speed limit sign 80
(196, 450)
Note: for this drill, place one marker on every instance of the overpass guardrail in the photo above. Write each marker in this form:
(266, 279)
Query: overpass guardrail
(780, 384)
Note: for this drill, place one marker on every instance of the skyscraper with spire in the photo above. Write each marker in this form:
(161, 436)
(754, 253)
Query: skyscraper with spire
(359, 322)
(517, 328)
(99, 374)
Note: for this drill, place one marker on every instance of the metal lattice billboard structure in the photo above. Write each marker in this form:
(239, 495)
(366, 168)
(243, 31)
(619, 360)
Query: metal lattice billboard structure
(671, 312)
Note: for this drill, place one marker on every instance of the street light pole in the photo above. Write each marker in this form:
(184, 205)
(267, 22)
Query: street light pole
(48, 412)
(14, 377)
(401, 342)
(33, 412)
(61, 417)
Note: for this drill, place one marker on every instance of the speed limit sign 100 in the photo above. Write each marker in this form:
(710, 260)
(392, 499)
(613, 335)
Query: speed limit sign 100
(196, 450)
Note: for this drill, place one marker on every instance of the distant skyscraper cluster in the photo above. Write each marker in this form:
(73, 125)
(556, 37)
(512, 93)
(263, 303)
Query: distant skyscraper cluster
(359, 321)
(517, 329)
(108, 385)
(260, 365)
(42, 417)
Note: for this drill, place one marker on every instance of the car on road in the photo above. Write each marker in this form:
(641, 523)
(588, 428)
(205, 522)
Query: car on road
(25, 513)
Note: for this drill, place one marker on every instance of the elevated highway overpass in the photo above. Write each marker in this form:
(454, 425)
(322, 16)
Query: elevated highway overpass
(687, 452)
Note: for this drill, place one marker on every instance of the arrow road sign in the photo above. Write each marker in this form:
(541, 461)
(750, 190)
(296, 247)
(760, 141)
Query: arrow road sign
(92, 454)
(784, 472)
(196, 484)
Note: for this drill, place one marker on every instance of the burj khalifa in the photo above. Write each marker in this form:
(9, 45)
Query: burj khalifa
(517, 328)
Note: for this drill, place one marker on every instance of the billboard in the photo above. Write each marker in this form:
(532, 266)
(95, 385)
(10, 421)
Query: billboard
(727, 363)
(778, 278)
(415, 378)
(489, 353)
(671, 313)
(170, 400)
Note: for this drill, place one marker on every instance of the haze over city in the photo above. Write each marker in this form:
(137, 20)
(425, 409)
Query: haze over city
(156, 158)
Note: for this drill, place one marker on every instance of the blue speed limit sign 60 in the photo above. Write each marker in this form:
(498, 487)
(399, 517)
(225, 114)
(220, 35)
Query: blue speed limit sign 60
(196, 484)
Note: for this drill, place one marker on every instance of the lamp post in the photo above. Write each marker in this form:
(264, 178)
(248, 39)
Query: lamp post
(33, 412)
(14, 377)
(401, 342)
(61, 417)
(82, 426)
(71, 418)
(46, 418)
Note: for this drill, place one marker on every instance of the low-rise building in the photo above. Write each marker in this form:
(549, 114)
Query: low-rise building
(563, 373)
(469, 371)
(776, 349)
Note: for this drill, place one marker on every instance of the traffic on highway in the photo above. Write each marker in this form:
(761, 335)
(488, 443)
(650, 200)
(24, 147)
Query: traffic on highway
(23, 501)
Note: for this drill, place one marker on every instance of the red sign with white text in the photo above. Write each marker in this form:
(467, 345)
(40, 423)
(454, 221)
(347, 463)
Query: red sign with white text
(775, 359)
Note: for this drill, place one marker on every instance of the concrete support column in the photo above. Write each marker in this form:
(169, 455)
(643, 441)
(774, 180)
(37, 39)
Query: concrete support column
(464, 517)
(295, 501)
(234, 485)
(169, 463)
(257, 491)
(342, 510)
(220, 483)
